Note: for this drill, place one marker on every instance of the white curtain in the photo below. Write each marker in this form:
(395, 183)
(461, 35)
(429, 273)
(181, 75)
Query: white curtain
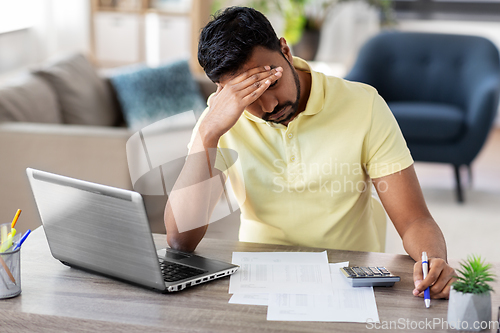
(41, 29)
(345, 30)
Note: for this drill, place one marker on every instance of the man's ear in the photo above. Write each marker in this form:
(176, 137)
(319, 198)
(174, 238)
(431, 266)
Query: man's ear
(285, 49)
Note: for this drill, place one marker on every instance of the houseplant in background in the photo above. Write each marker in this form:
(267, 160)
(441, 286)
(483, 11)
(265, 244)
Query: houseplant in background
(469, 307)
(303, 19)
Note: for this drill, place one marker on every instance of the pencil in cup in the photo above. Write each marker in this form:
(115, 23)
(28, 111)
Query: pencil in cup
(10, 274)
(7, 262)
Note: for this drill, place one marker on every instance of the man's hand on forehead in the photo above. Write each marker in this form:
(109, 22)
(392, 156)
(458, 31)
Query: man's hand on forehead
(256, 74)
(247, 83)
(234, 94)
(250, 85)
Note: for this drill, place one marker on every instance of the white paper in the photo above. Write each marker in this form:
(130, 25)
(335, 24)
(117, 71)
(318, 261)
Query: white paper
(249, 299)
(281, 272)
(346, 304)
(281, 257)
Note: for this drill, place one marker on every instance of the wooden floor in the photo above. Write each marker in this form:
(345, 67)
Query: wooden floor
(485, 168)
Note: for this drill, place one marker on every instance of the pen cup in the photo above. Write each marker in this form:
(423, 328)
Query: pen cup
(10, 274)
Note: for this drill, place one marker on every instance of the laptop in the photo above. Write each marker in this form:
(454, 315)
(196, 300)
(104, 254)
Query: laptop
(105, 230)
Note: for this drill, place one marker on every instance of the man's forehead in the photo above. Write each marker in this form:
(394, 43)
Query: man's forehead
(263, 57)
(249, 66)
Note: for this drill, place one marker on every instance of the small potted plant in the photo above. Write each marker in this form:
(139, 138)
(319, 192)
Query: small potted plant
(469, 307)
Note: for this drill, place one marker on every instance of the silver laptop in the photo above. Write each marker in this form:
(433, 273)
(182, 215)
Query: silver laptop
(105, 230)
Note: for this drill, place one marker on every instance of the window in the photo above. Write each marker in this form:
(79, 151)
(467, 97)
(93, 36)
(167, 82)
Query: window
(484, 10)
(15, 15)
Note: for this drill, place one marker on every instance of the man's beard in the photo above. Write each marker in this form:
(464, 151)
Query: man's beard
(280, 107)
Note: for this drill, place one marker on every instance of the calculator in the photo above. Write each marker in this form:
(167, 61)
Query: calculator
(369, 276)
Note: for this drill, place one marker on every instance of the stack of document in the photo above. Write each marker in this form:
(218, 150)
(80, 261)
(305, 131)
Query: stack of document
(300, 286)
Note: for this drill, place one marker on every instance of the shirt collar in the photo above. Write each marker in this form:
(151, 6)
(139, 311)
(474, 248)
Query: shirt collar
(316, 99)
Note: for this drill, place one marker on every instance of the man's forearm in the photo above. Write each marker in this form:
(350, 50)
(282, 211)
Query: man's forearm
(193, 197)
(190, 207)
(424, 235)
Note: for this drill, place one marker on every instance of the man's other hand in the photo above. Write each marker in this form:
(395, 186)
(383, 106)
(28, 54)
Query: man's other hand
(439, 279)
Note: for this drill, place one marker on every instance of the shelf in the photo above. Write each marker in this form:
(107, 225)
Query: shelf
(159, 11)
(167, 12)
(119, 10)
(156, 30)
(171, 6)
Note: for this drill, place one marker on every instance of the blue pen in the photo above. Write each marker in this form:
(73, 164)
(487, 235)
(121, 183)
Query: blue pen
(21, 241)
(425, 269)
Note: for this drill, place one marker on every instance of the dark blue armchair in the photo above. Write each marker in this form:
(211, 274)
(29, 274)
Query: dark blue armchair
(442, 89)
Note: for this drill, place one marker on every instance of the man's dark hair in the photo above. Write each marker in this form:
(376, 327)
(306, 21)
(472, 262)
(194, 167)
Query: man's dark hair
(227, 41)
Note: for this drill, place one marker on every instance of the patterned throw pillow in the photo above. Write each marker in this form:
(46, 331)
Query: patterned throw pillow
(149, 94)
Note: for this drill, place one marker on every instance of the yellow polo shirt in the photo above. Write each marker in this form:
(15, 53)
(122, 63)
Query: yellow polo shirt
(308, 183)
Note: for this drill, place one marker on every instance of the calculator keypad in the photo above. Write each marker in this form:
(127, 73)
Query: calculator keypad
(366, 271)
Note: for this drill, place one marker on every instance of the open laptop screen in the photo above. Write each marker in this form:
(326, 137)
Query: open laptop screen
(97, 227)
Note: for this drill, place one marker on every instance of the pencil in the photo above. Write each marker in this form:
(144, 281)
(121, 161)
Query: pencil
(14, 221)
(7, 270)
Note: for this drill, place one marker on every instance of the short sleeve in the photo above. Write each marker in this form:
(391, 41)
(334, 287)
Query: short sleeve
(220, 163)
(386, 151)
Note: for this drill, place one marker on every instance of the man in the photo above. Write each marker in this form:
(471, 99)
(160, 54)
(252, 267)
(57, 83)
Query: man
(310, 146)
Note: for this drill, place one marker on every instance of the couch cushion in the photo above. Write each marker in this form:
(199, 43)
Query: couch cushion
(148, 94)
(84, 97)
(31, 99)
(428, 122)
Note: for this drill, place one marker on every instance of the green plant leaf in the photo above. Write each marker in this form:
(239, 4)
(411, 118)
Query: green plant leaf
(474, 276)
(294, 27)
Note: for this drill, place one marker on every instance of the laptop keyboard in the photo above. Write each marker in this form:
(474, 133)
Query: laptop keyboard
(174, 272)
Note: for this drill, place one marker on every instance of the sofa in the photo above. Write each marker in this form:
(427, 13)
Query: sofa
(67, 118)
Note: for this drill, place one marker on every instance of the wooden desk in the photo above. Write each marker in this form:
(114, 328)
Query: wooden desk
(58, 298)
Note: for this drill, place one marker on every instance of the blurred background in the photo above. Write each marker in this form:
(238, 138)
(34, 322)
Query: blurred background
(120, 32)
(329, 34)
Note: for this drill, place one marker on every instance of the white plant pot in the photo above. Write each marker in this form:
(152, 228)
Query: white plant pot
(469, 312)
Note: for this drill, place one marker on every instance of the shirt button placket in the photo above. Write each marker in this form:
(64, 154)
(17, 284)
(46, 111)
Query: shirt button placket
(291, 149)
